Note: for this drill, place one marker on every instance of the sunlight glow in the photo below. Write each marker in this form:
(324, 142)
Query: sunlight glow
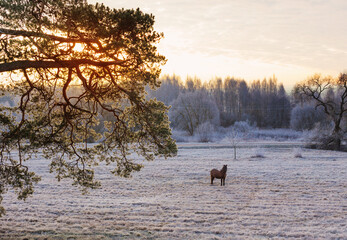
(207, 66)
(79, 47)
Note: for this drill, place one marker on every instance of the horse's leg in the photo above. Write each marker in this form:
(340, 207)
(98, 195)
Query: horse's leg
(212, 179)
(221, 181)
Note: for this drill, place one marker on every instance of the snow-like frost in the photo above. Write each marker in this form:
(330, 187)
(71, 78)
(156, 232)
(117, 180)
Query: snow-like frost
(278, 196)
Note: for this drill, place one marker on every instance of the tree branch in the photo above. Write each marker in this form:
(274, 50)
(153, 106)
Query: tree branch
(25, 64)
(24, 33)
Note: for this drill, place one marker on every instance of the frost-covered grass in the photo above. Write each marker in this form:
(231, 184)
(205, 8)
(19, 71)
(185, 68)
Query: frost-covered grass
(258, 153)
(279, 134)
(243, 133)
(279, 196)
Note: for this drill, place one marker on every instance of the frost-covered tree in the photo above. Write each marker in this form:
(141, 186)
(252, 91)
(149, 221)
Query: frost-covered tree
(192, 84)
(205, 131)
(231, 98)
(216, 88)
(237, 132)
(269, 104)
(168, 91)
(256, 103)
(306, 117)
(330, 94)
(49, 46)
(243, 100)
(192, 109)
(281, 116)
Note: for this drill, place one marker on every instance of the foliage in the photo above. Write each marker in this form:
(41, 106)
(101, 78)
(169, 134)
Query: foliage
(68, 61)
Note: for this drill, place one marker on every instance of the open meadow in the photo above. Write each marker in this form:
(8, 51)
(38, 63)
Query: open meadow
(284, 193)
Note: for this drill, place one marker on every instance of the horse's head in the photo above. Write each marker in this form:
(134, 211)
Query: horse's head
(225, 167)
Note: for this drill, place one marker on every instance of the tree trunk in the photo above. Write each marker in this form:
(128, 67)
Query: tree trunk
(336, 138)
(234, 151)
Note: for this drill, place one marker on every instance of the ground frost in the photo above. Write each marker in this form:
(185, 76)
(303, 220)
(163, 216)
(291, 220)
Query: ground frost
(276, 196)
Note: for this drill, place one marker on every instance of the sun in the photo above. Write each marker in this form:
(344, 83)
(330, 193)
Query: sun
(79, 47)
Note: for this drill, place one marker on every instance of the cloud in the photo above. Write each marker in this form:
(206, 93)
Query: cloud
(309, 34)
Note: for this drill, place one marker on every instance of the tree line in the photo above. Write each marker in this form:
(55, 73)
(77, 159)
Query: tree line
(318, 104)
(223, 102)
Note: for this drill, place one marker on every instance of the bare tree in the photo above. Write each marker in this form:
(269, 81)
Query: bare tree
(238, 131)
(192, 109)
(330, 94)
(234, 137)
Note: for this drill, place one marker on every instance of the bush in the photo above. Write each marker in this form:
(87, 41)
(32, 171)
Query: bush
(205, 132)
(243, 126)
(258, 153)
(297, 152)
(323, 137)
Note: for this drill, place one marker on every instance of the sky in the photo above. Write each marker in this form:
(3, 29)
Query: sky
(249, 39)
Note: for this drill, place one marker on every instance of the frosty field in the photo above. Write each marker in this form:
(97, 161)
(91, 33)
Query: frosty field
(275, 196)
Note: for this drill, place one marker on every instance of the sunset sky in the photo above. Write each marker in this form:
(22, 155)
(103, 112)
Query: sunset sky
(249, 39)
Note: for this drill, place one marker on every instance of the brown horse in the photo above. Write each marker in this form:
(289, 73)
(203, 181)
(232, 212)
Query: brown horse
(219, 174)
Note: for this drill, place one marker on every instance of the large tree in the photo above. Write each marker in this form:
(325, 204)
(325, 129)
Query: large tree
(65, 62)
(329, 94)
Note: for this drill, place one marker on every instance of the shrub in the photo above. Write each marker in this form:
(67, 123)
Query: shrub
(205, 132)
(297, 152)
(321, 138)
(243, 126)
(258, 153)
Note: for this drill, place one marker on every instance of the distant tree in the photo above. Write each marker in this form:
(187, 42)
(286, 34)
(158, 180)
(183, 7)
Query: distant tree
(269, 104)
(255, 110)
(297, 98)
(192, 109)
(217, 91)
(193, 84)
(237, 132)
(306, 117)
(7, 101)
(281, 117)
(243, 100)
(205, 131)
(46, 47)
(231, 98)
(330, 94)
(168, 91)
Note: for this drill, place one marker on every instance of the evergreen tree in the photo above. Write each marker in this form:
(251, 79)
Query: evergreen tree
(48, 46)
